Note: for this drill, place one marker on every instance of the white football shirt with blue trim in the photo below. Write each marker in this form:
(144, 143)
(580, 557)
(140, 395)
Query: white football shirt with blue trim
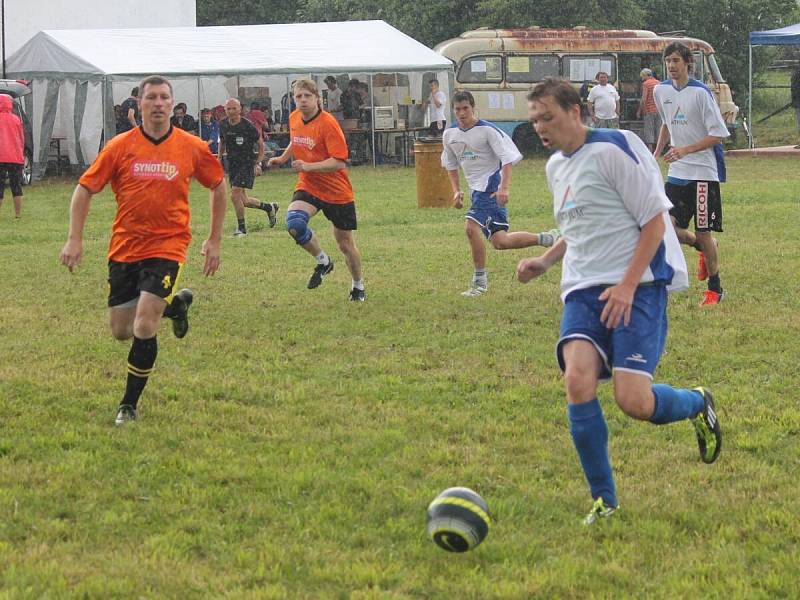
(603, 194)
(691, 114)
(480, 150)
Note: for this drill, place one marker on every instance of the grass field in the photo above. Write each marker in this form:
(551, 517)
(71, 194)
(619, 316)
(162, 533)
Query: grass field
(288, 447)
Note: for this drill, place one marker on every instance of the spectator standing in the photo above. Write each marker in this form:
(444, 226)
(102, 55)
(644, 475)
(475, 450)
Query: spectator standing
(12, 152)
(334, 98)
(647, 110)
(351, 100)
(604, 103)
(437, 101)
(209, 130)
(257, 117)
(129, 112)
(269, 123)
(287, 106)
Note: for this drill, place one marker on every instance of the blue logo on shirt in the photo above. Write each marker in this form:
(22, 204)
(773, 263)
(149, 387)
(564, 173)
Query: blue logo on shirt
(679, 118)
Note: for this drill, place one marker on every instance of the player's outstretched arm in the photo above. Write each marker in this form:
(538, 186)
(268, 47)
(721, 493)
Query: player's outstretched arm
(286, 156)
(211, 247)
(530, 268)
(72, 253)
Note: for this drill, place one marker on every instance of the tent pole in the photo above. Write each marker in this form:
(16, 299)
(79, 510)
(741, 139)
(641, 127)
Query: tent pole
(751, 143)
(372, 119)
(103, 92)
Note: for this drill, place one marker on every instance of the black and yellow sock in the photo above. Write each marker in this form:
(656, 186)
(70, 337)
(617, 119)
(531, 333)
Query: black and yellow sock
(141, 359)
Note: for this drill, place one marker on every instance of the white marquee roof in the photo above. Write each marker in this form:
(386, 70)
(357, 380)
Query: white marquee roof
(350, 46)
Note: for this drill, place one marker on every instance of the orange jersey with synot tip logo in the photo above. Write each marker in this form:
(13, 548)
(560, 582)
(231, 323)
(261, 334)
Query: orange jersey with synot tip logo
(150, 179)
(314, 141)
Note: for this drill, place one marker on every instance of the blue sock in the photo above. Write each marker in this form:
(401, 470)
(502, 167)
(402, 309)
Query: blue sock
(590, 435)
(674, 404)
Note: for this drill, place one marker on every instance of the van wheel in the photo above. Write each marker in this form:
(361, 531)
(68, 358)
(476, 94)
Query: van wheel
(27, 169)
(526, 140)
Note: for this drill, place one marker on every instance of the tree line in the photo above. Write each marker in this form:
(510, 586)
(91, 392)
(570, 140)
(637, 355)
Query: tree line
(725, 24)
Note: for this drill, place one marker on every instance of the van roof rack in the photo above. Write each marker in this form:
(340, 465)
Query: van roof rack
(676, 33)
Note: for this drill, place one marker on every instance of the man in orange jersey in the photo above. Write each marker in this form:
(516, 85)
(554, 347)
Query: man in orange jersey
(149, 168)
(320, 153)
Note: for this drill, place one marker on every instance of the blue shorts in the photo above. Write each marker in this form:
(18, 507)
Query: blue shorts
(636, 347)
(486, 213)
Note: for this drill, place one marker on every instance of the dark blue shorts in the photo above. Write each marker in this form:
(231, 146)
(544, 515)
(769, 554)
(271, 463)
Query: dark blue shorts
(486, 213)
(636, 347)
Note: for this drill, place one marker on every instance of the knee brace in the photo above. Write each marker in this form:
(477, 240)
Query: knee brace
(297, 224)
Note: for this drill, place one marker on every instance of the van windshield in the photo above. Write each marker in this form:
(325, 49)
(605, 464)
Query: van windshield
(712, 64)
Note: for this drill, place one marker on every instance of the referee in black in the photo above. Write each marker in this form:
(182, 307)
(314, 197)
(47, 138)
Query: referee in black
(243, 146)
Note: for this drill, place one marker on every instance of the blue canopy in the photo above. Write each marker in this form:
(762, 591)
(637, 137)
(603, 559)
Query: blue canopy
(785, 36)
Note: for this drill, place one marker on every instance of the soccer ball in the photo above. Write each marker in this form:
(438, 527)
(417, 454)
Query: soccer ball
(458, 519)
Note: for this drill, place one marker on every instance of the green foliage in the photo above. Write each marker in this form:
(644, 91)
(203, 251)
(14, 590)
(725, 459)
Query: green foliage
(726, 26)
(289, 445)
(556, 13)
(428, 23)
(246, 12)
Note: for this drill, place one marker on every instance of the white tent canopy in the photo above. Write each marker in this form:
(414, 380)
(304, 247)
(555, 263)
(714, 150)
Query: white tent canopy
(78, 75)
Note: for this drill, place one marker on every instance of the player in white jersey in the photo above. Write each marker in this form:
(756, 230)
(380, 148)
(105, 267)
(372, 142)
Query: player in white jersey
(692, 123)
(486, 156)
(621, 256)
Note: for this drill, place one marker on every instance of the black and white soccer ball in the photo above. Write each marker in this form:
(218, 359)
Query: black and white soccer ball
(458, 519)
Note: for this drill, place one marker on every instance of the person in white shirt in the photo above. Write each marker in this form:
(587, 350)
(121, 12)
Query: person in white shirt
(604, 103)
(437, 101)
(692, 123)
(334, 98)
(621, 257)
(486, 156)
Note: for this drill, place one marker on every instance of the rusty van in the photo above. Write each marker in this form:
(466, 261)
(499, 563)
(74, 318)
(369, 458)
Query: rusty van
(499, 66)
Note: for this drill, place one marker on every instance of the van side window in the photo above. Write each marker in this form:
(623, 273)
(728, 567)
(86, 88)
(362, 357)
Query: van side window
(698, 70)
(481, 69)
(579, 68)
(531, 68)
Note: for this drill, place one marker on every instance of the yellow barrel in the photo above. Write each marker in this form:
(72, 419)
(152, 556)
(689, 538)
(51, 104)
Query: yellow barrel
(433, 185)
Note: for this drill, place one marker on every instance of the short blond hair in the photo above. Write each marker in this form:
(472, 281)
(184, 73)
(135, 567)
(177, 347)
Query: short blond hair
(309, 85)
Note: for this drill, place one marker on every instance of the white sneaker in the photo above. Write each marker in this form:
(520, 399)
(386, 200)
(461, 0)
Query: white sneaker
(474, 290)
(239, 233)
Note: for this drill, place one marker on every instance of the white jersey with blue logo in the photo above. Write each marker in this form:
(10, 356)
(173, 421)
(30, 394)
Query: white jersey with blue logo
(603, 194)
(480, 150)
(691, 114)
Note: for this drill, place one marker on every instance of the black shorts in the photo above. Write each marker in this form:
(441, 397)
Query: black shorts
(14, 173)
(343, 216)
(435, 129)
(241, 174)
(699, 200)
(126, 281)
